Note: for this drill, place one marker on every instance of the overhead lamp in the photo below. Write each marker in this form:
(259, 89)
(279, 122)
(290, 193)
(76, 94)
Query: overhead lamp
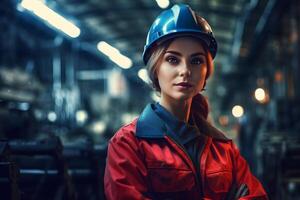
(81, 116)
(237, 111)
(142, 73)
(52, 116)
(50, 16)
(114, 55)
(98, 127)
(163, 3)
(260, 95)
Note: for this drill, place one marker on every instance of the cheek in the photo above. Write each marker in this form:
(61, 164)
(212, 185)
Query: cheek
(200, 74)
(163, 82)
(161, 78)
(164, 75)
(199, 78)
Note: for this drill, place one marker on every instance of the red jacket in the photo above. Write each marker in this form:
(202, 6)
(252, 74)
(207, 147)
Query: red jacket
(145, 163)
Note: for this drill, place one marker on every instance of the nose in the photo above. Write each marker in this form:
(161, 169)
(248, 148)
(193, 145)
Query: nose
(184, 70)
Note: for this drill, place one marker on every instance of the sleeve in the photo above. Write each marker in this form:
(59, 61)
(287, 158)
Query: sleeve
(125, 171)
(248, 186)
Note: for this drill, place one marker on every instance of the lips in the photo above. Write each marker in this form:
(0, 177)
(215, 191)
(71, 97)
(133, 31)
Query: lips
(184, 84)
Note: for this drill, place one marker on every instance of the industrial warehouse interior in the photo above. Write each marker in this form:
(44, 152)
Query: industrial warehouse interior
(72, 74)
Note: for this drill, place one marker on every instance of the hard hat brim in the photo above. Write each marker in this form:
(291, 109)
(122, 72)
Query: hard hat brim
(209, 42)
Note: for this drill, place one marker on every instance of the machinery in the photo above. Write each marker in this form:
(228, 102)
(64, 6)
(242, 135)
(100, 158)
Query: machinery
(44, 169)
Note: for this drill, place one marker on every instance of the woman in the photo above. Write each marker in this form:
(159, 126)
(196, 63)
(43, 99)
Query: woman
(171, 151)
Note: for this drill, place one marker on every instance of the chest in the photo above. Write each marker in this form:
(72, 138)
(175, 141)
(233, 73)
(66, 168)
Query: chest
(171, 172)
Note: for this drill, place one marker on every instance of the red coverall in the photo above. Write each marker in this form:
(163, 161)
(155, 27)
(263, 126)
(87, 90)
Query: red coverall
(145, 163)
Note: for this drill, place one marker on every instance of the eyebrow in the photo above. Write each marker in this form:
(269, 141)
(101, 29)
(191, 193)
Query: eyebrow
(179, 54)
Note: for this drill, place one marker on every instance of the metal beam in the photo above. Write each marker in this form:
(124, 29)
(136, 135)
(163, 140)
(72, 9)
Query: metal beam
(266, 24)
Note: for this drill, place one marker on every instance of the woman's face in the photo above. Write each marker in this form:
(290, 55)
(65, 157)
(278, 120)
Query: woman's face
(181, 72)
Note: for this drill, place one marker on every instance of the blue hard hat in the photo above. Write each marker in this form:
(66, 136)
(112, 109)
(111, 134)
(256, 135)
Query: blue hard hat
(180, 20)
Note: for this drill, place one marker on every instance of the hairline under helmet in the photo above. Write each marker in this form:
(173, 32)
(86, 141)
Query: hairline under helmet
(173, 35)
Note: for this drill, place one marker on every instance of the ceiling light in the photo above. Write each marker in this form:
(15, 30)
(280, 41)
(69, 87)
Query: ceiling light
(81, 116)
(237, 111)
(114, 55)
(54, 19)
(260, 94)
(52, 116)
(98, 127)
(144, 75)
(163, 3)
(107, 49)
(122, 61)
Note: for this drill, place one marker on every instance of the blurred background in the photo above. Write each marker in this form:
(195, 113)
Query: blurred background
(71, 74)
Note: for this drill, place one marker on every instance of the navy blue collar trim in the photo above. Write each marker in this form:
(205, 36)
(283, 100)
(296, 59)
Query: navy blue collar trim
(170, 119)
(149, 125)
(185, 132)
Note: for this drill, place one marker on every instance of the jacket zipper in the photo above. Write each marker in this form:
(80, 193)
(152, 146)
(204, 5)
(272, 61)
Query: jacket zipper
(196, 169)
(199, 162)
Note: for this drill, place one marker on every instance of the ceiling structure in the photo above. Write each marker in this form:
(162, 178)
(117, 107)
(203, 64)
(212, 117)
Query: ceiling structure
(238, 25)
(124, 24)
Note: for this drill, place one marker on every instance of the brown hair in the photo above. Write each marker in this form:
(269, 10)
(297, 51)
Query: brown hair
(199, 103)
(154, 61)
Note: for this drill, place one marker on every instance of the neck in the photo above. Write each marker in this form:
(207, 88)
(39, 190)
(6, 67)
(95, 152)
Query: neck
(180, 109)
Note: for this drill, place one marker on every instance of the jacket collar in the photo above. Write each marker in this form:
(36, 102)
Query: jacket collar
(184, 132)
(149, 125)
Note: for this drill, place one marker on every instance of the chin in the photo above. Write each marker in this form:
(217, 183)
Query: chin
(183, 96)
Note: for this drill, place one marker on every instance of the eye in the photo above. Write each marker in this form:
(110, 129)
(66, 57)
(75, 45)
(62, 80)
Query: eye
(197, 61)
(172, 60)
